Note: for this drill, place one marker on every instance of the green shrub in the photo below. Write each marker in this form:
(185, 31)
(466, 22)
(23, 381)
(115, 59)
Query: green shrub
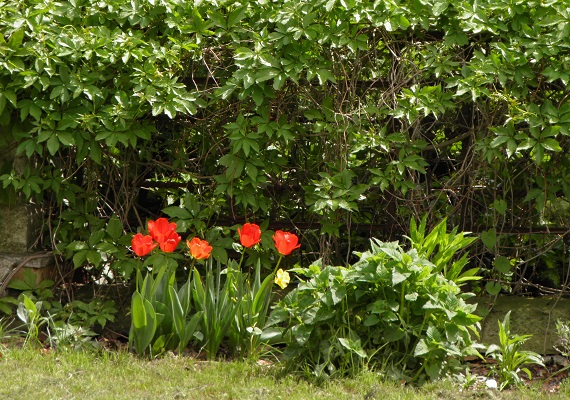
(393, 308)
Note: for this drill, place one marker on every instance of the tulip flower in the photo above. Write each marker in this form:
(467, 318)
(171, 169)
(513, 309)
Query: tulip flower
(249, 235)
(168, 245)
(161, 230)
(285, 242)
(282, 278)
(199, 249)
(142, 245)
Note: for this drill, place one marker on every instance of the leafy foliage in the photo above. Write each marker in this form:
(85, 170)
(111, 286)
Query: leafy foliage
(162, 312)
(511, 360)
(333, 114)
(392, 307)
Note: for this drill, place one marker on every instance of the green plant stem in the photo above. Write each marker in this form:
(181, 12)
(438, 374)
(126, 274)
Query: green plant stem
(278, 263)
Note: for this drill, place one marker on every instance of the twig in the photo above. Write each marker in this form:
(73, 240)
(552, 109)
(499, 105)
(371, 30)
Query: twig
(19, 266)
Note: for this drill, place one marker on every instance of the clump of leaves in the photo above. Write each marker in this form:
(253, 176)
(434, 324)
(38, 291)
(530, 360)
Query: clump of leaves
(34, 289)
(563, 343)
(511, 360)
(392, 307)
(96, 312)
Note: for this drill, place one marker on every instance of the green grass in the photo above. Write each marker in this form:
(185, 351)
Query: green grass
(33, 374)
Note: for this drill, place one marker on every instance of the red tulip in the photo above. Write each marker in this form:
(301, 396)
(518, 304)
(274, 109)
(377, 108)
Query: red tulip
(142, 245)
(161, 229)
(169, 244)
(249, 235)
(285, 242)
(199, 249)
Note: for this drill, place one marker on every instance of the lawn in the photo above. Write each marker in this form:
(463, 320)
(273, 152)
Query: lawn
(47, 374)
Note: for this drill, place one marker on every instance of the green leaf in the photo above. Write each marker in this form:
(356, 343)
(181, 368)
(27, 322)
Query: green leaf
(354, 346)
(115, 228)
(138, 313)
(53, 144)
(225, 91)
(493, 288)
(66, 138)
(2, 103)
(501, 206)
(177, 212)
(94, 257)
(257, 95)
(398, 277)
(330, 4)
(421, 348)
(236, 16)
(551, 144)
(79, 258)
(489, 238)
(144, 322)
(265, 74)
(302, 333)
(393, 334)
(11, 97)
(16, 39)
(439, 7)
(502, 264)
(76, 245)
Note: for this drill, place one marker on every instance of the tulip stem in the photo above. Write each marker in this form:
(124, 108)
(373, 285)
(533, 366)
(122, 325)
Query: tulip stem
(241, 259)
(278, 263)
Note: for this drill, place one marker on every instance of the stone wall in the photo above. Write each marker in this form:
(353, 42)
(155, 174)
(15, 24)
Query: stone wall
(529, 316)
(20, 228)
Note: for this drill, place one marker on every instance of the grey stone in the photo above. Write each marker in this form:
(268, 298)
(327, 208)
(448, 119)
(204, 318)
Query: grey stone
(529, 316)
(19, 228)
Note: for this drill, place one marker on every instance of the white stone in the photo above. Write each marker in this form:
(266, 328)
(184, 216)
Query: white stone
(491, 384)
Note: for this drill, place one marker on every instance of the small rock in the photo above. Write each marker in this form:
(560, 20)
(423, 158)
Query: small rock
(491, 384)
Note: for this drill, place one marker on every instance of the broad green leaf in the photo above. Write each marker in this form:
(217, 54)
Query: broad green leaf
(16, 39)
(502, 264)
(489, 238)
(302, 333)
(177, 212)
(236, 16)
(551, 144)
(115, 227)
(398, 277)
(501, 206)
(138, 313)
(421, 348)
(393, 334)
(265, 74)
(76, 245)
(493, 288)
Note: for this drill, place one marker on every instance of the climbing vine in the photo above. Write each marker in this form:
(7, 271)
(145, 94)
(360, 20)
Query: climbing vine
(344, 118)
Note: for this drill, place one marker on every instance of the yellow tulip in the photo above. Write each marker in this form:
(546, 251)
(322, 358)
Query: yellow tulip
(282, 278)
